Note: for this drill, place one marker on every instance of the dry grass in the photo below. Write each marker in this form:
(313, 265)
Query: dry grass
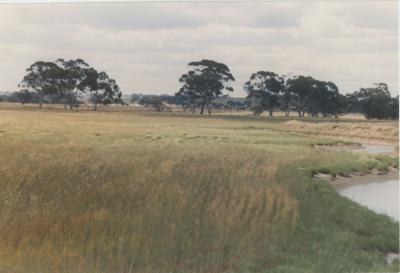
(384, 131)
(103, 192)
(138, 209)
(134, 107)
(143, 192)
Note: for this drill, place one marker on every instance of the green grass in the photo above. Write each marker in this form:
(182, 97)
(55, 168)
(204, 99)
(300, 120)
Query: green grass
(143, 192)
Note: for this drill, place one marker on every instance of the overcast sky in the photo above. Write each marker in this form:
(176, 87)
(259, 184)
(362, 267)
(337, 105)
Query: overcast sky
(146, 46)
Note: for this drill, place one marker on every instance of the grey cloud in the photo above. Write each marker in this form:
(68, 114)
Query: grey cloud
(153, 16)
(279, 17)
(382, 15)
(119, 16)
(137, 42)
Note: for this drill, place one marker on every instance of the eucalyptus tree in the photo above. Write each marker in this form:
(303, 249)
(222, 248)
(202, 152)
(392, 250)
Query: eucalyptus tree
(71, 80)
(189, 98)
(314, 96)
(264, 87)
(373, 102)
(103, 89)
(205, 81)
(304, 90)
(329, 103)
(394, 108)
(42, 78)
(66, 80)
(287, 99)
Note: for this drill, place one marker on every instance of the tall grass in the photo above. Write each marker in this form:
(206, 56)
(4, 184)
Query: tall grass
(129, 192)
(139, 209)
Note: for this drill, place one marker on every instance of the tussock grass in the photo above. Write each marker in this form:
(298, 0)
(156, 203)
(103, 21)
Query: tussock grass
(128, 209)
(138, 192)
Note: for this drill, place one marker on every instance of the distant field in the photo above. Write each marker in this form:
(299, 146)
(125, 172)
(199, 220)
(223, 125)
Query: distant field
(139, 191)
(137, 107)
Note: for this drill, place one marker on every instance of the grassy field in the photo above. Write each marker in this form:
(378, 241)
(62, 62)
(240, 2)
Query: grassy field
(146, 192)
(386, 132)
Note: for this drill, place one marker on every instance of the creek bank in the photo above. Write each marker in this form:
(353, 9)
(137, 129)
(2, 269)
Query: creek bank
(358, 178)
(339, 146)
(373, 149)
(381, 197)
(373, 190)
(364, 188)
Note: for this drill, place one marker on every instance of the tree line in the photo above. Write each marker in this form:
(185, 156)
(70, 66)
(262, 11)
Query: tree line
(64, 81)
(202, 85)
(268, 91)
(165, 102)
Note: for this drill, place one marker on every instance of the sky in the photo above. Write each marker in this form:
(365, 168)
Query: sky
(146, 47)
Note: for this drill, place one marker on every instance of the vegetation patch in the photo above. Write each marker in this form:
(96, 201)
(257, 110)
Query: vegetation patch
(117, 192)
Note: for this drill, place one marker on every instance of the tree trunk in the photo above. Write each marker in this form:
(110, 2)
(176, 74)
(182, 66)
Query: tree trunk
(95, 101)
(40, 100)
(270, 113)
(202, 107)
(287, 110)
(299, 112)
(209, 109)
(193, 109)
(71, 103)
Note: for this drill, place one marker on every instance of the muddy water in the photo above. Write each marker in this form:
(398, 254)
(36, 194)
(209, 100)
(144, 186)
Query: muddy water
(382, 197)
(377, 149)
(378, 193)
(365, 148)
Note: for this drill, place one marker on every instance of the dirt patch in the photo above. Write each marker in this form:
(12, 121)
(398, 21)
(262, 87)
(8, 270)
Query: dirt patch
(375, 176)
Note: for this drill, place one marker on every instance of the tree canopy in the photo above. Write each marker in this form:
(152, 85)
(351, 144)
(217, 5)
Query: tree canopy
(42, 77)
(102, 89)
(374, 102)
(265, 87)
(66, 80)
(205, 80)
(314, 96)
